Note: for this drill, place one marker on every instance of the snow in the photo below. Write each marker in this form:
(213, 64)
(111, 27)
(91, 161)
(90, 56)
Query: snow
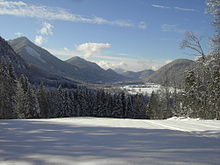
(146, 89)
(99, 141)
(34, 53)
(141, 89)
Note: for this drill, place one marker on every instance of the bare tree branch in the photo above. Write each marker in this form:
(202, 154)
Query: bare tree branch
(193, 42)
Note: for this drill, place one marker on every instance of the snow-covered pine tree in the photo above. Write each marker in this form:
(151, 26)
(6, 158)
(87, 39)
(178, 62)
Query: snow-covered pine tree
(214, 62)
(153, 110)
(27, 105)
(42, 96)
(61, 103)
(140, 106)
(7, 91)
(20, 101)
(32, 101)
(202, 94)
(117, 106)
(190, 102)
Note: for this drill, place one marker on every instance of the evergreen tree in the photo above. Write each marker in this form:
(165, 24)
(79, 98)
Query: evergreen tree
(7, 91)
(42, 97)
(20, 101)
(27, 105)
(124, 105)
(153, 107)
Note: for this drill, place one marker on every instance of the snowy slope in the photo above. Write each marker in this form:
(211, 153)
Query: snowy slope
(109, 141)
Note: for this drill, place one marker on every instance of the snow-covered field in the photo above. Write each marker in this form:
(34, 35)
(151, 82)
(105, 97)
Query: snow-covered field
(73, 141)
(141, 89)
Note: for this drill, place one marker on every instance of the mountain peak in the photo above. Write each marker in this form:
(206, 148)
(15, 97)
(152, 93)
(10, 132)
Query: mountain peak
(21, 39)
(76, 58)
(20, 42)
(110, 70)
(82, 63)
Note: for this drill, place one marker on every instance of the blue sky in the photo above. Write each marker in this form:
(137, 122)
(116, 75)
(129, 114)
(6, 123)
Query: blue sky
(128, 34)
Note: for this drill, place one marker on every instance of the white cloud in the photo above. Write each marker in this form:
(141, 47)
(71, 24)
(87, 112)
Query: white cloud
(64, 53)
(46, 29)
(22, 9)
(106, 62)
(91, 49)
(66, 49)
(18, 34)
(39, 40)
(160, 6)
(171, 28)
(112, 65)
(129, 64)
(176, 8)
(142, 25)
(85, 50)
(11, 3)
(184, 9)
(123, 54)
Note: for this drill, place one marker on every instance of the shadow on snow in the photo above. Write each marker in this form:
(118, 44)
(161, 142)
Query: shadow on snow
(38, 142)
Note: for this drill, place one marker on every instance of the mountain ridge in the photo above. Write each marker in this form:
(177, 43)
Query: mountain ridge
(81, 70)
(33, 73)
(91, 69)
(141, 75)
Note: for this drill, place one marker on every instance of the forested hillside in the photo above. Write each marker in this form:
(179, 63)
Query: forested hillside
(202, 84)
(172, 74)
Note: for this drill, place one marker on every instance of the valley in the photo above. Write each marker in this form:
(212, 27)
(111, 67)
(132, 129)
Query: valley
(109, 82)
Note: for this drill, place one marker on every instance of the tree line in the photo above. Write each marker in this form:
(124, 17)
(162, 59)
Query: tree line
(20, 99)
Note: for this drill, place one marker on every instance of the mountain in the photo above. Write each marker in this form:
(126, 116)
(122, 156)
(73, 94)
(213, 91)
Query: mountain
(119, 70)
(76, 69)
(41, 58)
(173, 73)
(34, 74)
(141, 75)
(94, 72)
(8, 55)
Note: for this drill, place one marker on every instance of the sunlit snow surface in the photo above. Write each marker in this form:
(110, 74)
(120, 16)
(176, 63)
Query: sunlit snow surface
(140, 89)
(98, 141)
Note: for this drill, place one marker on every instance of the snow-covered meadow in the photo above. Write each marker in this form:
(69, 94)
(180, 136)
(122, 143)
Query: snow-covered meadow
(147, 89)
(109, 141)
